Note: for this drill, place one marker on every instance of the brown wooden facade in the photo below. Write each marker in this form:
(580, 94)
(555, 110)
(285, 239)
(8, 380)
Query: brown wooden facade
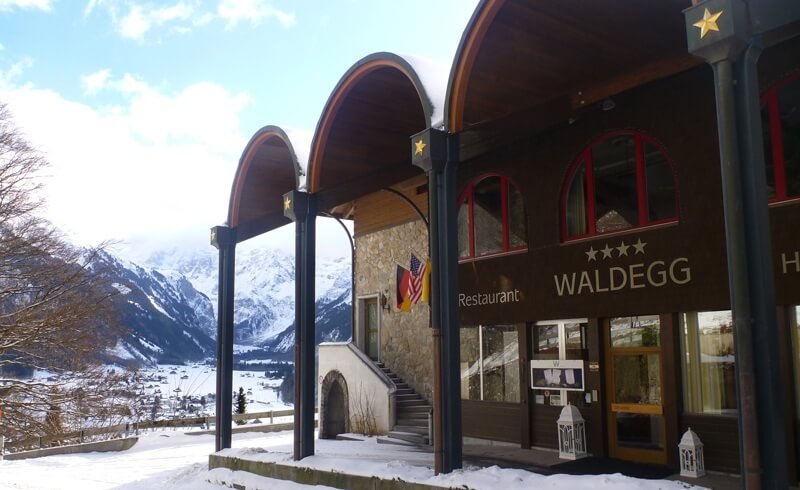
(533, 84)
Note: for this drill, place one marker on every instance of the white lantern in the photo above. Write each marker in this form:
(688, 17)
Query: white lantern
(571, 434)
(691, 451)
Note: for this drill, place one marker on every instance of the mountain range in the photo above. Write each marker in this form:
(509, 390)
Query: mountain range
(168, 304)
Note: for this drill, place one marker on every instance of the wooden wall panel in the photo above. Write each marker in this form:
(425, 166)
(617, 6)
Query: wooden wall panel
(492, 420)
(719, 436)
(381, 210)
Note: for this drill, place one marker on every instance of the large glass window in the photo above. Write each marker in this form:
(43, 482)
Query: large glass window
(622, 180)
(490, 363)
(559, 340)
(780, 114)
(707, 348)
(491, 218)
(794, 324)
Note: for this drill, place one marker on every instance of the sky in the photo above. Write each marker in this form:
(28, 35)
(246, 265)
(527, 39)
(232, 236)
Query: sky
(143, 108)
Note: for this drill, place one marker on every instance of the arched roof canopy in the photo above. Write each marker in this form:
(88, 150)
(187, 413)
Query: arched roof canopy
(544, 61)
(362, 141)
(267, 170)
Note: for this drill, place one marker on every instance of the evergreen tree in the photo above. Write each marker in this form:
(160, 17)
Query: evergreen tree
(241, 401)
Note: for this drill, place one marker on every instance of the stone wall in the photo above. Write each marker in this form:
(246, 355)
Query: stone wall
(405, 337)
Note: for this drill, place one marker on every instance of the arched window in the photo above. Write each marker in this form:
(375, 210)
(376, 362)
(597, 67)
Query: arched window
(491, 218)
(780, 116)
(622, 180)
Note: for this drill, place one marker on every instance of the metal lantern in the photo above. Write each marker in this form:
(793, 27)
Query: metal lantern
(691, 451)
(571, 434)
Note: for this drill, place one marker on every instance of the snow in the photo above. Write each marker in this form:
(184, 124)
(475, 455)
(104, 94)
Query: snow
(201, 380)
(174, 460)
(434, 77)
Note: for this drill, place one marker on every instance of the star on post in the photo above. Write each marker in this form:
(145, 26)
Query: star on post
(708, 23)
(592, 254)
(420, 146)
(287, 203)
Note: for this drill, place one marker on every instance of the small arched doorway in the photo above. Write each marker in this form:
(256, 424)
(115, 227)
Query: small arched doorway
(334, 406)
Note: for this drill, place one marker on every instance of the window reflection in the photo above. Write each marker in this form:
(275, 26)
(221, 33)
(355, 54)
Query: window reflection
(614, 163)
(709, 362)
(490, 363)
(487, 209)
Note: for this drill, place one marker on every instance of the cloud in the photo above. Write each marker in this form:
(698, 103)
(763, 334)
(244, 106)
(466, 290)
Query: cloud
(235, 11)
(7, 5)
(95, 82)
(134, 19)
(140, 19)
(153, 162)
(2, 47)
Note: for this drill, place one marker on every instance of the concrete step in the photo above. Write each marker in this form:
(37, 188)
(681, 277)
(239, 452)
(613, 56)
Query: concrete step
(404, 391)
(412, 429)
(396, 442)
(413, 405)
(408, 397)
(412, 437)
(417, 422)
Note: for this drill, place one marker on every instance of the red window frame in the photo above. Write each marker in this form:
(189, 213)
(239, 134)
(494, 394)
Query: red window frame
(585, 156)
(771, 101)
(467, 195)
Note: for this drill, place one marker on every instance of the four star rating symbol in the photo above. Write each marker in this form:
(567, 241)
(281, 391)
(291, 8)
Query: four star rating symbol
(419, 147)
(708, 23)
(608, 251)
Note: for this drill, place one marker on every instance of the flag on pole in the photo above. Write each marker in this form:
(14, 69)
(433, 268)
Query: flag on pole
(426, 283)
(417, 279)
(403, 301)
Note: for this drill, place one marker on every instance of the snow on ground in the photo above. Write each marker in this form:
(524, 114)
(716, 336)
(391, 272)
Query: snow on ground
(196, 380)
(173, 460)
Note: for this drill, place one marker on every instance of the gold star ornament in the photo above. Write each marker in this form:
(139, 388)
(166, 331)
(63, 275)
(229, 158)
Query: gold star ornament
(709, 23)
(287, 203)
(420, 145)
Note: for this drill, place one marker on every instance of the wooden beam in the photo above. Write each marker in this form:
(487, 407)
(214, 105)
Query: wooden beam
(365, 184)
(259, 226)
(643, 74)
(487, 136)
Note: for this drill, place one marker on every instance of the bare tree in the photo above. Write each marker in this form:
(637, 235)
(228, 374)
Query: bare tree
(55, 308)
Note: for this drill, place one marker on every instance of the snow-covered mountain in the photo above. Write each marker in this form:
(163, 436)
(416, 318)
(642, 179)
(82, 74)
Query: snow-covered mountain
(166, 318)
(264, 286)
(169, 304)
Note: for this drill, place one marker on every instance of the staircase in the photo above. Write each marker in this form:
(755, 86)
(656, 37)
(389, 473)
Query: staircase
(411, 412)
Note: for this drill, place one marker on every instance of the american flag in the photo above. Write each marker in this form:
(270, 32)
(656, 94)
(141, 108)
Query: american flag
(417, 274)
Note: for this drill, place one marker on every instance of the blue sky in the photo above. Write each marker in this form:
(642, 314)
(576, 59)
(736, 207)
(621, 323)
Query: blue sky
(143, 108)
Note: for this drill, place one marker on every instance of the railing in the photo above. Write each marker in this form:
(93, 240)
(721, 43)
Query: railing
(80, 436)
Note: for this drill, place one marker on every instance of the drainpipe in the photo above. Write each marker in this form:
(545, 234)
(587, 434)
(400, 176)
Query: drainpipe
(719, 32)
(432, 151)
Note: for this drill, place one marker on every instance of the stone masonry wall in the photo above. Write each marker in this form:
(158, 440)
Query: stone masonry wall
(405, 338)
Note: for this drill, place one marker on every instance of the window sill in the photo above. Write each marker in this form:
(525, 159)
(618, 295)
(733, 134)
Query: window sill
(492, 256)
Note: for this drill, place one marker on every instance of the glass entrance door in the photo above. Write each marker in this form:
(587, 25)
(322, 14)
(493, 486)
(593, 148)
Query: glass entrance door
(635, 393)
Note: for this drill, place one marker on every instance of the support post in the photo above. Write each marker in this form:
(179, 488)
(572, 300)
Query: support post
(224, 239)
(720, 32)
(300, 207)
(435, 152)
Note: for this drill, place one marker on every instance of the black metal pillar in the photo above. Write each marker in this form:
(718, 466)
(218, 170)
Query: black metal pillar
(719, 31)
(435, 152)
(300, 207)
(224, 239)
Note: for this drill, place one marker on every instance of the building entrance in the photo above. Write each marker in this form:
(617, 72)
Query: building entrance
(635, 394)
